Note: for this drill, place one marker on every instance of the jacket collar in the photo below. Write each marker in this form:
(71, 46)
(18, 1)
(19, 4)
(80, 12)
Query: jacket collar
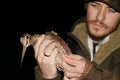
(105, 50)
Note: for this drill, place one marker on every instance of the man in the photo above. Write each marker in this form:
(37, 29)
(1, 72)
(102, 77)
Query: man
(95, 46)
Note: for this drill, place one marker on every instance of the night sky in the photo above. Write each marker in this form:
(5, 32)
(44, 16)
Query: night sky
(32, 17)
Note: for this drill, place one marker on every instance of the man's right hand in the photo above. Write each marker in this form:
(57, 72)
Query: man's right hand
(45, 54)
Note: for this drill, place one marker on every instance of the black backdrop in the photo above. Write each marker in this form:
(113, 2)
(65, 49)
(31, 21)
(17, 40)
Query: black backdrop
(32, 17)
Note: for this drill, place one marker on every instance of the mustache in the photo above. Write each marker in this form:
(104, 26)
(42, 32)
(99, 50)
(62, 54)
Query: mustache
(98, 22)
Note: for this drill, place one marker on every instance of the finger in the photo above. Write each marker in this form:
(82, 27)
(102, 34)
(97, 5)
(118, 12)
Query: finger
(70, 59)
(74, 57)
(79, 78)
(75, 79)
(51, 58)
(45, 42)
(53, 54)
(66, 78)
(73, 75)
(70, 65)
(49, 49)
(36, 46)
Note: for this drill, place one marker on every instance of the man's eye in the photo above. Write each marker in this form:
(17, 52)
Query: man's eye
(94, 4)
(111, 10)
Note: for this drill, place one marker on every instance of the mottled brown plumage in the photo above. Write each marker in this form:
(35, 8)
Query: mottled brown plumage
(28, 40)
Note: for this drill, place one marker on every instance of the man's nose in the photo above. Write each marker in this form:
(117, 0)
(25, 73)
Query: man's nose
(101, 15)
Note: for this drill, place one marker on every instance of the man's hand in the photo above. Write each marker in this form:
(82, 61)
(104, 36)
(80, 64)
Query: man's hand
(47, 48)
(45, 54)
(75, 67)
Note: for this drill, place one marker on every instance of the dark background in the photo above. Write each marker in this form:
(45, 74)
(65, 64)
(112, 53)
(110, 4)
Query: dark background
(34, 18)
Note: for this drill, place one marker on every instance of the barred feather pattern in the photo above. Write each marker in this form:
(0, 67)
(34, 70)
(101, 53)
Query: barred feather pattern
(27, 40)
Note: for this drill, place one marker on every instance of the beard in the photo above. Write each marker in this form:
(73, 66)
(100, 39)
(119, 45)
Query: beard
(93, 35)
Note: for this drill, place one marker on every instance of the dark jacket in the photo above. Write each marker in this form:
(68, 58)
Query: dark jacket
(106, 63)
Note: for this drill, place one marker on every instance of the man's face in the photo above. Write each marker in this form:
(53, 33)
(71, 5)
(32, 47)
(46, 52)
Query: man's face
(101, 19)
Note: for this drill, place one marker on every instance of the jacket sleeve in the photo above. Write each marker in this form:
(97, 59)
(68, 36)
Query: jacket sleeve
(38, 75)
(97, 72)
(101, 74)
